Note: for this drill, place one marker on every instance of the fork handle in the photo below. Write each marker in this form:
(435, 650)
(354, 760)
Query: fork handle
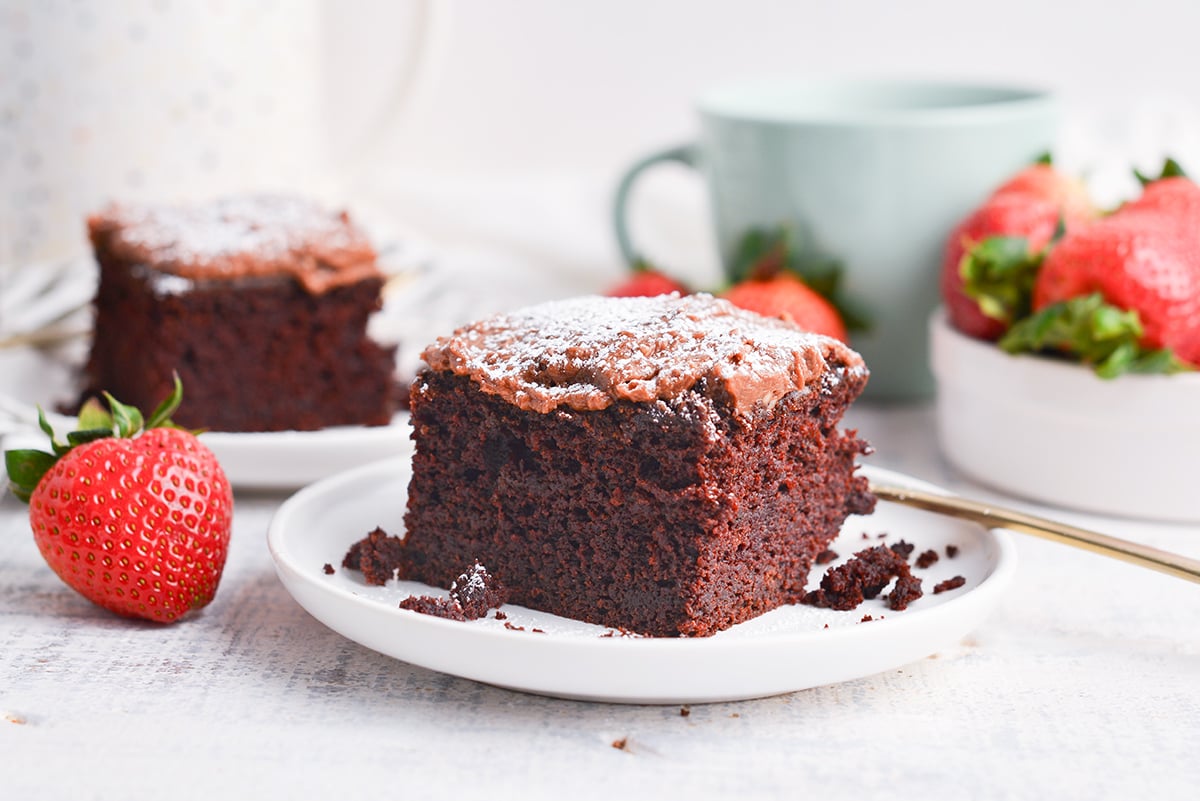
(995, 517)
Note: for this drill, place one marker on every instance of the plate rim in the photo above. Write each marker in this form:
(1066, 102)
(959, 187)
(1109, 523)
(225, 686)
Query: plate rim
(982, 596)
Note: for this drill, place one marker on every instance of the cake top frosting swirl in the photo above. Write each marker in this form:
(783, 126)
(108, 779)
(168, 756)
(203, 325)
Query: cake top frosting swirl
(586, 353)
(233, 237)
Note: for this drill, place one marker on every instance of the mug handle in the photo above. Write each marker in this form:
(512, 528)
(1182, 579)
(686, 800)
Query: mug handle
(688, 155)
(407, 90)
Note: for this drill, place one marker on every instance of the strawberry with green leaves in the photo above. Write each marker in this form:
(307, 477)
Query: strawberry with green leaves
(775, 272)
(646, 281)
(132, 513)
(993, 256)
(1123, 293)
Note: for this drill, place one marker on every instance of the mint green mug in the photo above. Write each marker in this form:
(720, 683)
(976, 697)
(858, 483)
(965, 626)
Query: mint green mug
(870, 174)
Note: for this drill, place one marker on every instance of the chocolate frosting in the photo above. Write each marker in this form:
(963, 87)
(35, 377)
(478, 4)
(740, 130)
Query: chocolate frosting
(586, 353)
(235, 237)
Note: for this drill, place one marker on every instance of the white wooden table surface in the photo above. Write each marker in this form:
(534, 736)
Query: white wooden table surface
(1084, 684)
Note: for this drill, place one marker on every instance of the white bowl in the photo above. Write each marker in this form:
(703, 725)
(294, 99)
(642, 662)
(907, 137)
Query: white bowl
(1054, 432)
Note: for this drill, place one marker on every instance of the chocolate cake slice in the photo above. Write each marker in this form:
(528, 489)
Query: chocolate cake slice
(669, 466)
(260, 303)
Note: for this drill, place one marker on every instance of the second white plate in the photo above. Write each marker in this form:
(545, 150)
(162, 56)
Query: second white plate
(274, 460)
(790, 648)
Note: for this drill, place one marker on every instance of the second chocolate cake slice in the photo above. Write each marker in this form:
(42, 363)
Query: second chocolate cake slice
(260, 303)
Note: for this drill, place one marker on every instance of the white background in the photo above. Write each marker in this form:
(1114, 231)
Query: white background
(543, 85)
(526, 104)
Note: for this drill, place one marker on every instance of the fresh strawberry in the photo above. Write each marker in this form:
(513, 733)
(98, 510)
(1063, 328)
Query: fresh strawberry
(761, 253)
(646, 282)
(785, 295)
(1142, 260)
(992, 257)
(133, 514)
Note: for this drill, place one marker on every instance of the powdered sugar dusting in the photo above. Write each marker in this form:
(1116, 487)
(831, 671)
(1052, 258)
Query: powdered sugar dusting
(585, 353)
(476, 591)
(238, 236)
(471, 583)
(163, 284)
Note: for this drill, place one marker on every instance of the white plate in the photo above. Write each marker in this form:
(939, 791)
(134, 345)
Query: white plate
(787, 649)
(271, 460)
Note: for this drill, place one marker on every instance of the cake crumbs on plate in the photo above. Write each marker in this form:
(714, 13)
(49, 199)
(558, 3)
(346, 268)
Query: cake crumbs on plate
(473, 594)
(906, 590)
(329, 571)
(951, 551)
(864, 577)
(927, 558)
(434, 605)
(826, 556)
(477, 591)
(949, 584)
(375, 556)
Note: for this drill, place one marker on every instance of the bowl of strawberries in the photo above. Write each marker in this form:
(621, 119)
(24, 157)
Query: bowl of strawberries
(1067, 349)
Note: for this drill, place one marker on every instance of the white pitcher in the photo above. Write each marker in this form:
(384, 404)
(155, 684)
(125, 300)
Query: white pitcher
(146, 100)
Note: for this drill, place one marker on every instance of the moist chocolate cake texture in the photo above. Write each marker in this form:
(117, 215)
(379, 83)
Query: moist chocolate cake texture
(259, 303)
(670, 466)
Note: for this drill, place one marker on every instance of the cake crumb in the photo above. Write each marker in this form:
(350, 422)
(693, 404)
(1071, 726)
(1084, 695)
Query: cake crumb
(435, 606)
(949, 584)
(477, 591)
(826, 556)
(863, 577)
(508, 624)
(472, 595)
(951, 551)
(907, 590)
(376, 556)
(902, 548)
(684, 711)
(927, 558)
(866, 619)
(500, 615)
(328, 569)
(622, 744)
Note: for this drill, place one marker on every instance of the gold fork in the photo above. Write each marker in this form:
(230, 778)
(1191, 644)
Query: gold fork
(991, 516)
